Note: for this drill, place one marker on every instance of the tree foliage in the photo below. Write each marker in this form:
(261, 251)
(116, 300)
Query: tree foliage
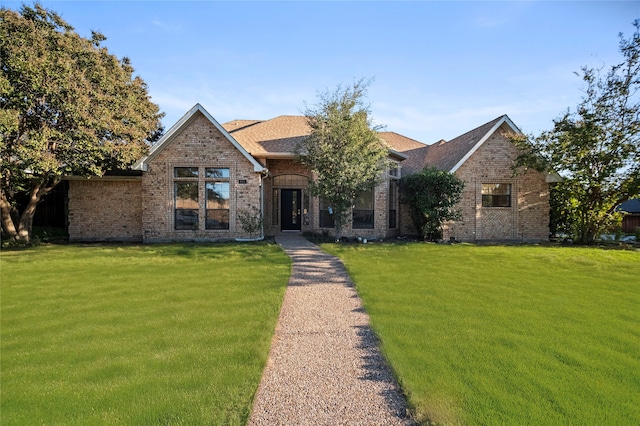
(344, 150)
(431, 195)
(67, 106)
(596, 148)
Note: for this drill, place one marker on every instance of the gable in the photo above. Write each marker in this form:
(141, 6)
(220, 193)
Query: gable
(184, 123)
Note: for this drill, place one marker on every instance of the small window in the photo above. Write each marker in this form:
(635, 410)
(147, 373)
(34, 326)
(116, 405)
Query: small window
(216, 173)
(185, 172)
(363, 211)
(291, 181)
(496, 195)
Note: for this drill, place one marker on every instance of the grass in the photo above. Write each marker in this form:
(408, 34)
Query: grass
(160, 334)
(506, 335)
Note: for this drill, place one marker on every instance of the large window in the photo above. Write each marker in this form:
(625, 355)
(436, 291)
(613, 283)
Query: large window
(496, 195)
(188, 182)
(217, 201)
(326, 215)
(186, 198)
(363, 211)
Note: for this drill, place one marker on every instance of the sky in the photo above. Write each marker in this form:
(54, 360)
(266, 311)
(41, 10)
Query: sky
(437, 69)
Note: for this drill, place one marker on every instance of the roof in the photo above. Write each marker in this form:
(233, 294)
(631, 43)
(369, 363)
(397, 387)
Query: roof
(449, 155)
(183, 123)
(630, 206)
(278, 136)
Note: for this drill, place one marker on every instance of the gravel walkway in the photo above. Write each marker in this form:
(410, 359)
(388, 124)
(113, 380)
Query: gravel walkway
(324, 367)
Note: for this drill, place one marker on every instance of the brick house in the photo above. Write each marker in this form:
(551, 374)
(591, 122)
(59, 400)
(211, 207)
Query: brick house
(200, 175)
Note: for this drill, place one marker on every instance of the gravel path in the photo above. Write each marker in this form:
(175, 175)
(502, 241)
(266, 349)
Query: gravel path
(324, 367)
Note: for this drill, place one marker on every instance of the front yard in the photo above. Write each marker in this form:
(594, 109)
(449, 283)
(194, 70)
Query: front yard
(179, 334)
(506, 335)
(163, 334)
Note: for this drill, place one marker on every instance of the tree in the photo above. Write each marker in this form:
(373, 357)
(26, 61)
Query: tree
(344, 151)
(67, 106)
(596, 148)
(431, 195)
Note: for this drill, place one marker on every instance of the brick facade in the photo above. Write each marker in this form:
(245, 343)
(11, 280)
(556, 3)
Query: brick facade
(144, 208)
(310, 205)
(528, 217)
(105, 210)
(199, 144)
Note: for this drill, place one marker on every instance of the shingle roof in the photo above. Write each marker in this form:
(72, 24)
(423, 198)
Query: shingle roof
(278, 135)
(414, 151)
(445, 155)
(281, 135)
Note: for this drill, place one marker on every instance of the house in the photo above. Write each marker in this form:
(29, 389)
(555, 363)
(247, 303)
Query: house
(631, 218)
(201, 174)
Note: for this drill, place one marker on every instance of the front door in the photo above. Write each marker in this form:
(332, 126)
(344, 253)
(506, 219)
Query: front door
(290, 209)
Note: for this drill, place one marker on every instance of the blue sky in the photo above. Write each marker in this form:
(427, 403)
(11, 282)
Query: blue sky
(439, 68)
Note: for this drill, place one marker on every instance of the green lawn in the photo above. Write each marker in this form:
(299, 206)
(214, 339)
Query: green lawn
(506, 335)
(159, 334)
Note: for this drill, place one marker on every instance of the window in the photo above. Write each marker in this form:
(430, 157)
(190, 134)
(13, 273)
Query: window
(496, 195)
(185, 172)
(291, 181)
(275, 208)
(217, 198)
(216, 173)
(188, 186)
(186, 198)
(393, 203)
(326, 214)
(363, 211)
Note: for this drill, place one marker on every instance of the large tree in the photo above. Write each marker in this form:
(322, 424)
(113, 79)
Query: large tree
(344, 150)
(596, 147)
(67, 106)
(431, 196)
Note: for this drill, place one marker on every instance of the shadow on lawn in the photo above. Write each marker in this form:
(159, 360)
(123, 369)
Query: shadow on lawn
(377, 370)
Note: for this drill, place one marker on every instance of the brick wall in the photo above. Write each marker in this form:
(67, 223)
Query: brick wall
(287, 167)
(528, 217)
(105, 210)
(280, 168)
(200, 144)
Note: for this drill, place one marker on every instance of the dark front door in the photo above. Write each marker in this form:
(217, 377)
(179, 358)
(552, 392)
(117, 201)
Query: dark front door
(290, 209)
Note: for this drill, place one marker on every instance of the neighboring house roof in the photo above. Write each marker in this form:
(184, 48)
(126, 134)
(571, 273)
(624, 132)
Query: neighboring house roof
(630, 206)
(182, 123)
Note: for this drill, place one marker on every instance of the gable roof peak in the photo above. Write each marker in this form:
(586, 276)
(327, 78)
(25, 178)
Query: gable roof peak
(186, 119)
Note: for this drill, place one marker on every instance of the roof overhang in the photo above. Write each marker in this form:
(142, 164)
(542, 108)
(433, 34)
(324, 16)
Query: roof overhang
(143, 163)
